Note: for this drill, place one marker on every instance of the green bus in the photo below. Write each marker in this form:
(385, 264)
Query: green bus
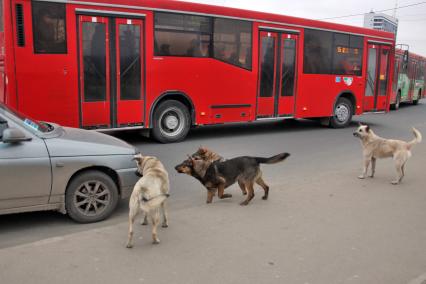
(409, 78)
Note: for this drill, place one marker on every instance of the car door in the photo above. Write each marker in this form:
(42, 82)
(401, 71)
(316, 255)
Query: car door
(25, 171)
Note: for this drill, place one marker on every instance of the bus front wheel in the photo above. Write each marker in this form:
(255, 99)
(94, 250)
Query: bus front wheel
(342, 114)
(171, 122)
(397, 103)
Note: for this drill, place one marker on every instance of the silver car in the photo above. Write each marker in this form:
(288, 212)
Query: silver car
(45, 166)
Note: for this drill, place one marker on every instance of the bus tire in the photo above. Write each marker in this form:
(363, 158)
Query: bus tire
(415, 102)
(84, 205)
(342, 114)
(397, 103)
(171, 122)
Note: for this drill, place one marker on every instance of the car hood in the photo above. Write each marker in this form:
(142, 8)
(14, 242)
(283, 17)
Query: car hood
(79, 142)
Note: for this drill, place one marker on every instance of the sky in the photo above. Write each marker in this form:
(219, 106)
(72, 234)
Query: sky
(412, 20)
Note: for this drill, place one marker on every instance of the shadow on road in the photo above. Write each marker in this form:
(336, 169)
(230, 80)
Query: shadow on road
(17, 229)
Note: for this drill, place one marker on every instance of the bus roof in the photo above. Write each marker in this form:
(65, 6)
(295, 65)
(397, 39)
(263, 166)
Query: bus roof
(203, 9)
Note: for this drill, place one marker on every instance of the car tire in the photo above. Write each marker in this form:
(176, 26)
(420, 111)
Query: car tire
(171, 122)
(342, 114)
(91, 197)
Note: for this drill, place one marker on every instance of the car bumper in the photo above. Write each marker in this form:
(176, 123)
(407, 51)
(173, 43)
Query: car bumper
(128, 179)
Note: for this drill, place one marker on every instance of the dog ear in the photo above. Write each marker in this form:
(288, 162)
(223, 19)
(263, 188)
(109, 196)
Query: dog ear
(367, 128)
(360, 124)
(138, 157)
(202, 150)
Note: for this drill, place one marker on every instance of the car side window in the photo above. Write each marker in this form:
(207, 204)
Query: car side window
(3, 126)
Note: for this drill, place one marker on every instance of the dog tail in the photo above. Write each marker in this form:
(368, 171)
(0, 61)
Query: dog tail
(417, 138)
(272, 160)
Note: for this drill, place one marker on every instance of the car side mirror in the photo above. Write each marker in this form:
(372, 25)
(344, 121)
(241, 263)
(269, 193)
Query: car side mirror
(14, 135)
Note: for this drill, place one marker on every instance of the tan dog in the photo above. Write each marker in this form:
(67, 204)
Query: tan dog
(149, 195)
(377, 147)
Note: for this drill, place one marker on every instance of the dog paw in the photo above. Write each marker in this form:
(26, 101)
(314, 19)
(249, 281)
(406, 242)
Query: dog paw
(144, 223)
(129, 246)
(265, 197)
(165, 225)
(394, 182)
(155, 242)
(361, 177)
(226, 195)
(244, 203)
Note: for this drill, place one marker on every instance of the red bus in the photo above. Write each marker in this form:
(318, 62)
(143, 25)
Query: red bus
(170, 65)
(409, 82)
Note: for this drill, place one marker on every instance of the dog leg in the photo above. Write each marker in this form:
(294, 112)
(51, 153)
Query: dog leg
(155, 219)
(364, 172)
(210, 194)
(399, 173)
(134, 210)
(243, 189)
(165, 214)
(144, 220)
(265, 187)
(250, 193)
(373, 167)
(220, 193)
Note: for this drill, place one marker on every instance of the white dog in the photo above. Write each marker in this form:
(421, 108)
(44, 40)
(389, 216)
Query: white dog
(375, 147)
(149, 195)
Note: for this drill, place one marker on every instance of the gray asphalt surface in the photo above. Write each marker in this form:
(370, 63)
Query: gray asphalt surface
(321, 224)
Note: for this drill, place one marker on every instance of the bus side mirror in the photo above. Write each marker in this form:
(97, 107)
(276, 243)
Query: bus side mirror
(14, 135)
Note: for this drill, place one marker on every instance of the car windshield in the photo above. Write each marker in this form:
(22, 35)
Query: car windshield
(32, 123)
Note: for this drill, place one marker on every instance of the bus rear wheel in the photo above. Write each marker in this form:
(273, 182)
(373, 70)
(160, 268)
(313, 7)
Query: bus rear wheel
(342, 114)
(171, 122)
(416, 101)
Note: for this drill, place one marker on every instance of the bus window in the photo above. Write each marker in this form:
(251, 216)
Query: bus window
(182, 35)
(49, 27)
(1, 16)
(232, 42)
(317, 54)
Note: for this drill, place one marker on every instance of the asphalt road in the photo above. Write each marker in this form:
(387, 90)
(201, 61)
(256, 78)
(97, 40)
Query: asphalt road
(321, 224)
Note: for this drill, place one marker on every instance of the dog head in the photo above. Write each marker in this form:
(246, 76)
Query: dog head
(143, 163)
(186, 167)
(362, 131)
(207, 155)
(193, 167)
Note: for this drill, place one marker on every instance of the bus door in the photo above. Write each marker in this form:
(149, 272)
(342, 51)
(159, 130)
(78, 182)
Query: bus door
(277, 73)
(377, 77)
(110, 63)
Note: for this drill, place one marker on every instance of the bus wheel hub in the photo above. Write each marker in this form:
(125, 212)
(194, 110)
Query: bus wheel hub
(342, 112)
(171, 122)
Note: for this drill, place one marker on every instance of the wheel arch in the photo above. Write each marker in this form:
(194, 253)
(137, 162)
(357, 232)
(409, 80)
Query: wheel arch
(347, 94)
(173, 95)
(108, 171)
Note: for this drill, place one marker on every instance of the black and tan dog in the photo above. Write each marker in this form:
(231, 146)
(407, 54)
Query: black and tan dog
(218, 175)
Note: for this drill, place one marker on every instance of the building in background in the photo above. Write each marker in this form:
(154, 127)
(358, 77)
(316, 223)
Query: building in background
(381, 22)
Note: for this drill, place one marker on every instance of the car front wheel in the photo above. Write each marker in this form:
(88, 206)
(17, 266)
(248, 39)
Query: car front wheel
(90, 197)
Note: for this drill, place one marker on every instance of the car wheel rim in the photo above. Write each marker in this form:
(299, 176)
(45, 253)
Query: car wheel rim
(171, 122)
(342, 113)
(92, 198)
